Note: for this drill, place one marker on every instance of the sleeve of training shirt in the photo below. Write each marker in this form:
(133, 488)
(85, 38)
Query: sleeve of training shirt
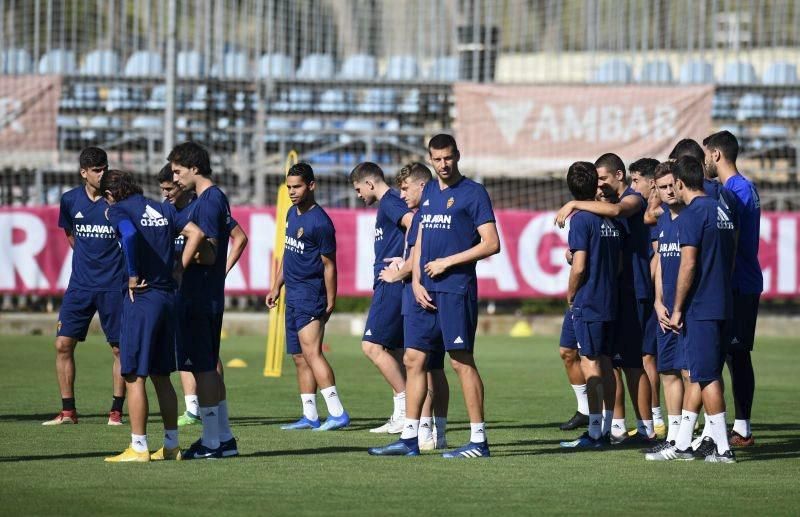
(690, 229)
(578, 237)
(64, 217)
(207, 215)
(325, 235)
(481, 207)
(395, 208)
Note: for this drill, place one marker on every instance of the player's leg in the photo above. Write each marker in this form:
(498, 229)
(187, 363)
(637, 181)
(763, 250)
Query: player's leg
(425, 435)
(740, 345)
(568, 351)
(619, 429)
(639, 389)
(228, 446)
(305, 378)
(649, 354)
(109, 308)
(310, 337)
(391, 370)
(441, 403)
(191, 415)
(168, 405)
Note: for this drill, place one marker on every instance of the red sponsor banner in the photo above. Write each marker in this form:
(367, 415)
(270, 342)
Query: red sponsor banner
(35, 257)
(522, 130)
(28, 109)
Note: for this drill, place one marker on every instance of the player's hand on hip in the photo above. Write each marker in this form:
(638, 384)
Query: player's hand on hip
(436, 267)
(387, 274)
(563, 213)
(422, 297)
(328, 312)
(394, 262)
(662, 313)
(136, 286)
(676, 322)
(568, 256)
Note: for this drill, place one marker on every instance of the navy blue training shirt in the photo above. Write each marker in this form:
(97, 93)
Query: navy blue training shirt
(669, 253)
(602, 240)
(308, 236)
(637, 251)
(389, 233)
(204, 285)
(411, 240)
(747, 275)
(707, 226)
(450, 219)
(156, 227)
(97, 261)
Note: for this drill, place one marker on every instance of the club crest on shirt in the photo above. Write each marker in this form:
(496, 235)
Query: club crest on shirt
(299, 232)
(450, 202)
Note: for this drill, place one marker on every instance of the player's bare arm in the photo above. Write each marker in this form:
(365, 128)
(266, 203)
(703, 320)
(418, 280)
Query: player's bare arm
(238, 244)
(627, 206)
(654, 209)
(70, 238)
(194, 238)
(420, 293)
(577, 275)
(329, 274)
(206, 253)
(489, 245)
(405, 222)
(658, 304)
(275, 292)
(395, 271)
(686, 273)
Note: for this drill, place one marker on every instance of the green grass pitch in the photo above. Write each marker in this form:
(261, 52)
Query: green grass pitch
(46, 470)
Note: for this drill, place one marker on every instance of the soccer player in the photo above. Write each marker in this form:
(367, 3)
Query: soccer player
(457, 229)
(96, 284)
(642, 181)
(383, 335)
(181, 200)
(636, 298)
(721, 150)
(568, 351)
(309, 272)
(411, 181)
(146, 229)
(670, 356)
(592, 295)
(201, 301)
(703, 301)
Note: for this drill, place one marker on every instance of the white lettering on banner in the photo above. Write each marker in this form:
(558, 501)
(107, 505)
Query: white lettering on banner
(20, 257)
(66, 270)
(766, 236)
(510, 117)
(665, 124)
(787, 256)
(261, 239)
(498, 267)
(528, 256)
(365, 251)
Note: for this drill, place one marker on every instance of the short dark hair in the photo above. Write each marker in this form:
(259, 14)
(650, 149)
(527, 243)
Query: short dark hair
(191, 154)
(303, 170)
(725, 143)
(414, 171)
(93, 157)
(612, 162)
(366, 170)
(690, 172)
(582, 180)
(121, 184)
(442, 141)
(644, 166)
(165, 174)
(664, 169)
(688, 147)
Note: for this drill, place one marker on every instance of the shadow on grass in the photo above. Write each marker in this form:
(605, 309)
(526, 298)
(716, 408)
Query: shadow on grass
(41, 417)
(75, 456)
(780, 450)
(303, 452)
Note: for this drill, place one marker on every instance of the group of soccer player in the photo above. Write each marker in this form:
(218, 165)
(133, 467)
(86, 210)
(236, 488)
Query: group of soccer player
(155, 272)
(664, 274)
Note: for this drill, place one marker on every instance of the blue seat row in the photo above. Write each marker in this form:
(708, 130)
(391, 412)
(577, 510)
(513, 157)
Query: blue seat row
(695, 71)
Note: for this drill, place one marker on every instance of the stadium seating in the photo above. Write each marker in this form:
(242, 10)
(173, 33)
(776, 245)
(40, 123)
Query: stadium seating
(612, 71)
(275, 66)
(411, 102)
(789, 108)
(309, 131)
(378, 100)
(16, 61)
(100, 62)
(276, 129)
(656, 72)
(189, 63)
(402, 68)
(234, 66)
(316, 66)
(446, 68)
(739, 72)
(144, 63)
(697, 71)
(58, 61)
(359, 66)
(722, 105)
(356, 125)
(751, 106)
(333, 100)
(781, 73)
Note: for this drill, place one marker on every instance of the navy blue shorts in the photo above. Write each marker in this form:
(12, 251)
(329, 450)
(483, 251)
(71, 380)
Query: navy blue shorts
(567, 339)
(701, 342)
(592, 336)
(297, 318)
(435, 361)
(197, 338)
(651, 328)
(78, 308)
(629, 331)
(384, 323)
(147, 341)
(670, 354)
(451, 327)
(740, 332)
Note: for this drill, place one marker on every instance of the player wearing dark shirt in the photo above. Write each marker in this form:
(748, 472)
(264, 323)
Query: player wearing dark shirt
(308, 270)
(96, 284)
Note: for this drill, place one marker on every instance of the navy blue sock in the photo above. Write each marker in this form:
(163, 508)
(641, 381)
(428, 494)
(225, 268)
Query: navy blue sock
(744, 382)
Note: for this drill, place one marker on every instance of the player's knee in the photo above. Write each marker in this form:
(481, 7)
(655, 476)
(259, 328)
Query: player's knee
(65, 345)
(414, 361)
(568, 355)
(115, 351)
(461, 363)
(299, 360)
(370, 350)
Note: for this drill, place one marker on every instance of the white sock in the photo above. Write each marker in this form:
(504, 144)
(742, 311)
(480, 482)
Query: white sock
(684, 439)
(742, 427)
(410, 428)
(608, 417)
(139, 442)
(309, 401)
(477, 432)
(658, 418)
(719, 432)
(425, 429)
(332, 401)
(618, 427)
(225, 433)
(192, 404)
(646, 428)
(595, 425)
(210, 418)
(674, 425)
(706, 427)
(439, 425)
(583, 399)
(170, 438)
(399, 406)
